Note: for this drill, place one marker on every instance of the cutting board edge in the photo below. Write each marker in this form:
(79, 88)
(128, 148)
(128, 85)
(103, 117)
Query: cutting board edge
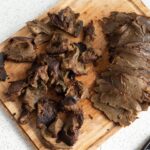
(19, 127)
(98, 142)
(140, 5)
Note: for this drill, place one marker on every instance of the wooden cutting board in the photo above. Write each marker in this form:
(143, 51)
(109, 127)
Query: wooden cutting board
(97, 129)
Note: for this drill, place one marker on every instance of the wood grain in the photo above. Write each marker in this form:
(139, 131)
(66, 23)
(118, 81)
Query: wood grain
(94, 131)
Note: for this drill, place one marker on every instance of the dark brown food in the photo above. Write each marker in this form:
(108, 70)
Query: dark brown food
(3, 74)
(20, 49)
(39, 73)
(58, 44)
(90, 55)
(70, 131)
(40, 31)
(46, 112)
(72, 123)
(73, 88)
(50, 141)
(41, 39)
(53, 69)
(123, 89)
(71, 61)
(57, 125)
(89, 32)
(16, 88)
(37, 27)
(25, 115)
(64, 128)
(67, 20)
(33, 95)
(82, 46)
(69, 104)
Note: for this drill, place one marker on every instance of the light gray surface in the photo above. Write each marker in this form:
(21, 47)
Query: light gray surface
(13, 15)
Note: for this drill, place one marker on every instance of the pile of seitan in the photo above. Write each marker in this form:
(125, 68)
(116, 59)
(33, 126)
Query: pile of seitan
(123, 89)
(50, 89)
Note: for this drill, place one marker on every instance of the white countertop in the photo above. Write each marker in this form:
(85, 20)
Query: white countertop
(13, 15)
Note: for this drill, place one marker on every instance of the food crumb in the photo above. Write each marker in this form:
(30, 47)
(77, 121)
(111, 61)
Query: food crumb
(14, 114)
(91, 117)
(108, 129)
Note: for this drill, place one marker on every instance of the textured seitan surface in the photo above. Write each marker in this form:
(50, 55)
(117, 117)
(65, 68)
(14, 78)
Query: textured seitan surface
(123, 89)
